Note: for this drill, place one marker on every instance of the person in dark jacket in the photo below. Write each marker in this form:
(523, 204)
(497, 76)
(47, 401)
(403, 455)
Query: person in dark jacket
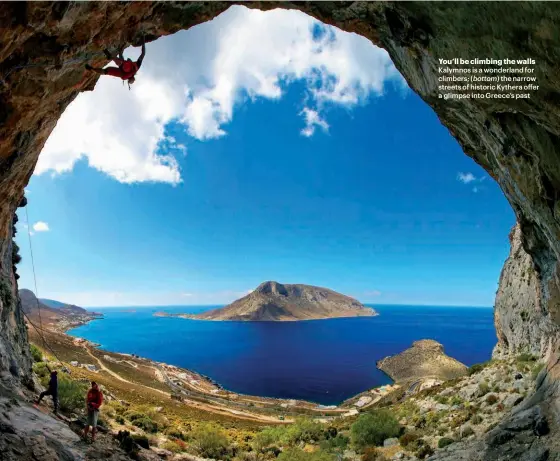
(52, 389)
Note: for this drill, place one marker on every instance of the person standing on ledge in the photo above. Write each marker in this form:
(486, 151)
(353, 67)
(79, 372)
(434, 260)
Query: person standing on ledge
(126, 69)
(52, 390)
(94, 400)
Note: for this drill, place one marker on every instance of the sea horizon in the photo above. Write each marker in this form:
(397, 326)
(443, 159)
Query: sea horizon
(368, 304)
(322, 361)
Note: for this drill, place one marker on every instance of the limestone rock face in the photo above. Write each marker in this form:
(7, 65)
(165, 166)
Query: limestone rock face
(522, 322)
(43, 46)
(424, 360)
(285, 302)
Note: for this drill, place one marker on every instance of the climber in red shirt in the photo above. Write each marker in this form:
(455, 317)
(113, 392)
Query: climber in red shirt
(94, 400)
(126, 69)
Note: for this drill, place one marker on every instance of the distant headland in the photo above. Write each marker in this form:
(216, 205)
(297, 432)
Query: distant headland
(273, 301)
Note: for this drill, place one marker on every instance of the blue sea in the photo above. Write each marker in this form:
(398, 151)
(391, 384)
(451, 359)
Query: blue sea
(324, 361)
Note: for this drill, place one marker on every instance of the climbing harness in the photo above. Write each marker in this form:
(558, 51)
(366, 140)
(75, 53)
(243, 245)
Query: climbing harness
(39, 330)
(84, 57)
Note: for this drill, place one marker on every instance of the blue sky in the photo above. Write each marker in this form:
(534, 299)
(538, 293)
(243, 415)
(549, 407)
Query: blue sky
(331, 173)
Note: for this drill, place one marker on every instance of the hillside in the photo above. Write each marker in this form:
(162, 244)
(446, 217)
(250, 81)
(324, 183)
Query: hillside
(65, 316)
(273, 301)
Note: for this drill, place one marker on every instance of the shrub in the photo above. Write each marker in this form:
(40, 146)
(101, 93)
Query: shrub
(408, 438)
(525, 357)
(133, 415)
(441, 399)
(491, 399)
(335, 444)
(424, 451)
(445, 441)
(146, 424)
(119, 419)
(175, 433)
(456, 400)
(373, 428)
(36, 353)
(466, 431)
(476, 419)
(71, 394)
(297, 454)
(141, 440)
(210, 441)
(40, 369)
(173, 446)
(500, 407)
(483, 388)
(477, 367)
(304, 430)
(536, 370)
(372, 454)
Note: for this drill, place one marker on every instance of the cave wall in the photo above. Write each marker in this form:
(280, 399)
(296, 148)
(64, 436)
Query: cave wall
(521, 321)
(43, 47)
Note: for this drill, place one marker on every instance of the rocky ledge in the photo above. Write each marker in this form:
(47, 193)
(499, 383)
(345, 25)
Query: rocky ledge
(425, 360)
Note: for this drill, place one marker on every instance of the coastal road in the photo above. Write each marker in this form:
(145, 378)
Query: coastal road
(224, 411)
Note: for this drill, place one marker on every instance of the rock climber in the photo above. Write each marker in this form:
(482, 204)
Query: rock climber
(94, 400)
(126, 69)
(52, 390)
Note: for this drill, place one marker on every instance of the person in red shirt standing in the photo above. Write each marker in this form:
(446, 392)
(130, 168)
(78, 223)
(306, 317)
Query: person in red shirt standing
(126, 69)
(94, 400)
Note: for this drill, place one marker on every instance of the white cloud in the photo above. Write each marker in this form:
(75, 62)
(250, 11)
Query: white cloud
(372, 293)
(197, 77)
(475, 189)
(466, 178)
(313, 119)
(41, 226)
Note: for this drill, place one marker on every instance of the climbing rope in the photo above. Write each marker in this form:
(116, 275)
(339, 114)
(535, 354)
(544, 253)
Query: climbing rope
(85, 57)
(40, 330)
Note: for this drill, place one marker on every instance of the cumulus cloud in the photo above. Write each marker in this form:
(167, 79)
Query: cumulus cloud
(41, 226)
(196, 78)
(466, 178)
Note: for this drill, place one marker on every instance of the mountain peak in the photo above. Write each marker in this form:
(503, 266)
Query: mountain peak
(274, 301)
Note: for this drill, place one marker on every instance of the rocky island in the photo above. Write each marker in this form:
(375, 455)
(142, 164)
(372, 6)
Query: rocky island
(424, 361)
(273, 301)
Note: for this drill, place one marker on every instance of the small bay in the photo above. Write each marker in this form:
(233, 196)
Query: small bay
(324, 361)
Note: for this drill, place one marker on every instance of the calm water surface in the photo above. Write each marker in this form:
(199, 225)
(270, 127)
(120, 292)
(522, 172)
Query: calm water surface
(325, 361)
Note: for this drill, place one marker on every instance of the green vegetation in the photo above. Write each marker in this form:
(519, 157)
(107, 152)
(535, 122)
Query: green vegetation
(373, 428)
(478, 367)
(409, 439)
(491, 399)
(36, 353)
(141, 440)
(71, 394)
(210, 441)
(6, 294)
(424, 451)
(526, 357)
(445, 441)
(372, 454)
(536, 370)
(483, 388)
(297, 454)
